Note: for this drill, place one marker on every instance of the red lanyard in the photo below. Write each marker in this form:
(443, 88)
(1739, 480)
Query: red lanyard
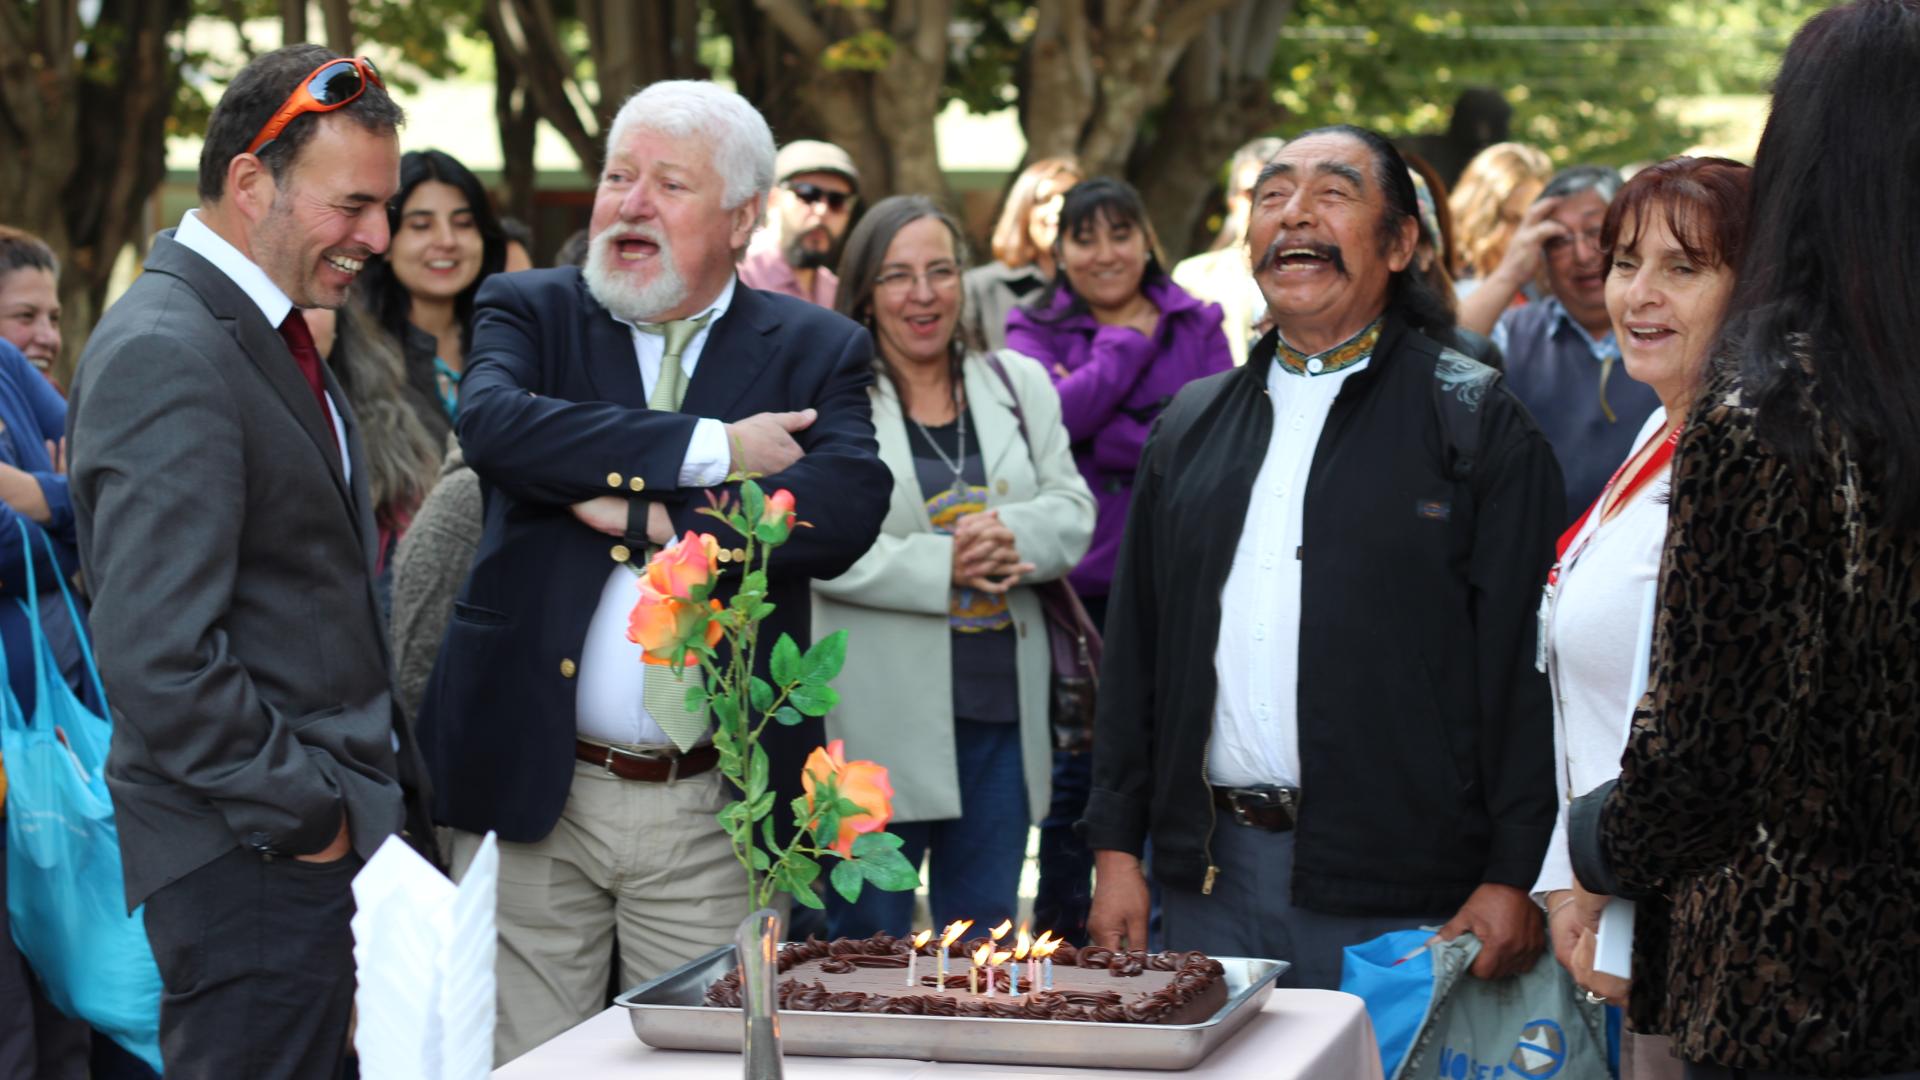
(1655, 462)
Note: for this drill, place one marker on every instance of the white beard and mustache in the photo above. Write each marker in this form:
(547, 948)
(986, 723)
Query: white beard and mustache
(618, 291)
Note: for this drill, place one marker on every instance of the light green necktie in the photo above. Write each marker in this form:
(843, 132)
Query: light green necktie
(664, 693)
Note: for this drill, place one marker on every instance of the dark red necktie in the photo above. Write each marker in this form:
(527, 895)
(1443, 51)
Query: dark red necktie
(300, 340)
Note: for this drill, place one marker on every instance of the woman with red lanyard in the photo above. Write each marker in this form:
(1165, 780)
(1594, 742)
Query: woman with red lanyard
(1673, 238)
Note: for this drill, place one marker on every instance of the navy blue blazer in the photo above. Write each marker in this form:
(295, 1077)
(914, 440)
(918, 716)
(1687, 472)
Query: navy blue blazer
(552, 412)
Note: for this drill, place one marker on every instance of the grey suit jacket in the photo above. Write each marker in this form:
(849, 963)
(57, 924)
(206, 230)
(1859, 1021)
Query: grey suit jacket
(230, 561)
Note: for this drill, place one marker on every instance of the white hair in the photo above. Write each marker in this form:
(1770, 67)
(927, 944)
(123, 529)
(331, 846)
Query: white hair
(742, 144)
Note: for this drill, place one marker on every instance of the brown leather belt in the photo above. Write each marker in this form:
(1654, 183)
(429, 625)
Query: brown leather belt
(664, 768)
(1271, 809)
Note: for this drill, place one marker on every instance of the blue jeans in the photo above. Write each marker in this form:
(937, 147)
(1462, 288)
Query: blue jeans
(975, 857)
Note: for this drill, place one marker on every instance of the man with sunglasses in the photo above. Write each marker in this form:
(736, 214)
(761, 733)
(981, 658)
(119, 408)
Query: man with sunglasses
(227, 537)
(811, 206)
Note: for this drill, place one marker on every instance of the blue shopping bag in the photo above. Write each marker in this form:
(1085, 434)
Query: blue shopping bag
(66, 902)
(1435, 1021)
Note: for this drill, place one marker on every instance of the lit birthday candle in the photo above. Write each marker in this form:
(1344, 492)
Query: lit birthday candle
(913, 955)
(1046, 950)
(993, 964)
(980, 956)
(947, 938)
(1022, 946)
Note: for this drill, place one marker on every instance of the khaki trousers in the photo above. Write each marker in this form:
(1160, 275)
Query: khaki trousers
(644, 860)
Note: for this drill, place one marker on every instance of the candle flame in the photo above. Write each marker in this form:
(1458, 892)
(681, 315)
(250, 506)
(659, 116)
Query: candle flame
(1045, 936)
(981, 954)
(1023, 944)
(1000, 931)
(1044, 948)
(953, 932)
(998, 958)
(920, 939)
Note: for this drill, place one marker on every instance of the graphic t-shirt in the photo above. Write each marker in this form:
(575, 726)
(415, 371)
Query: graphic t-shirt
(985, 685)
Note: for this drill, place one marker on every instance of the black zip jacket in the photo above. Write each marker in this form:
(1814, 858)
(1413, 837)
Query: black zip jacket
(1426, 735)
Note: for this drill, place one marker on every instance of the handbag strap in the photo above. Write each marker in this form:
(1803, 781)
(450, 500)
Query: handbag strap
(1019, 414)
(31, 605)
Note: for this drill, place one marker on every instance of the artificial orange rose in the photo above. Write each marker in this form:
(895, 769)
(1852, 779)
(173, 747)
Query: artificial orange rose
(864, 782)
(779, 510)
(661, 625)
(676, 571)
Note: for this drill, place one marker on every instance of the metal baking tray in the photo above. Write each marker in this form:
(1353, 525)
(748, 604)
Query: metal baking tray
(667, 1014)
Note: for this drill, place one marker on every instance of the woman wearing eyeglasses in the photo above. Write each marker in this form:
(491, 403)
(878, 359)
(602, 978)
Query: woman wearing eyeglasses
(947, 679)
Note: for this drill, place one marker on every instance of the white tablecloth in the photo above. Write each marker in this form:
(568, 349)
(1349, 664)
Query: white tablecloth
(1304, 1034)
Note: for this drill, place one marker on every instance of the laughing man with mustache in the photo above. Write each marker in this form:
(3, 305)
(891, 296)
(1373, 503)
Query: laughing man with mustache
(1319, 696)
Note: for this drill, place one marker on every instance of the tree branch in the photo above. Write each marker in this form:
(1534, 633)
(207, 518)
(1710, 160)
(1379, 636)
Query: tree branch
(791, 19)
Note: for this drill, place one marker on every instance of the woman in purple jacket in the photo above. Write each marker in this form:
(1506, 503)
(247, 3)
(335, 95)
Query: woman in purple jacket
(1120, 339)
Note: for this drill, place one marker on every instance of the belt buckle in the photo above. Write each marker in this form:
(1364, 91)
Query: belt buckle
(672, 760)
(1247, 800)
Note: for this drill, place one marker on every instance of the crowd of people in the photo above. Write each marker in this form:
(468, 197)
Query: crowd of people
(1471, 559)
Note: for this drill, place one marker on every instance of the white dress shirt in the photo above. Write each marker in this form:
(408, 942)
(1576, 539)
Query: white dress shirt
(194, 235)
(1598, 646)
(1257, 660)
(607, 702)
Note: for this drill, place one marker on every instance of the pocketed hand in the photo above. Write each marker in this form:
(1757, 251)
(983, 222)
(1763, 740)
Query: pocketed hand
(335, 851)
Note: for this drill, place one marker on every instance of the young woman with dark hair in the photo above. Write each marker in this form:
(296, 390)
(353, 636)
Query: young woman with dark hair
(1767, 798)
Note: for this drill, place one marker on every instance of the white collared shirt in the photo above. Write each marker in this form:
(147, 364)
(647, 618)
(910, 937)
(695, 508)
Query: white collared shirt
(194, 235)
(1256, 709)
(607, 702)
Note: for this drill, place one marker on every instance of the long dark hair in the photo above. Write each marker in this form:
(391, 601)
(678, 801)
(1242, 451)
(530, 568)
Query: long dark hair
(1408, 292)
(1088, 203)
(866, 252)
(1832, 268)
(389, 300)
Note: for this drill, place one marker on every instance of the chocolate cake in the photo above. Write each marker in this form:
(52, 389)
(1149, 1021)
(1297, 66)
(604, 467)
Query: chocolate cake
(1091, 984)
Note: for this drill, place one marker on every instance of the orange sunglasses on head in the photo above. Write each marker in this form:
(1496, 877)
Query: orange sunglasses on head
(334, 84)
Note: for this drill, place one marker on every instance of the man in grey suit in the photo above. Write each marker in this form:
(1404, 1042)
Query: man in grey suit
(225, 531)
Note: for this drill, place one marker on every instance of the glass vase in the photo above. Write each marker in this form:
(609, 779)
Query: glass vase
(758, 944)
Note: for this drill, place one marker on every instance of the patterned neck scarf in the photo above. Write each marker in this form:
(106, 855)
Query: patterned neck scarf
(1346, 354)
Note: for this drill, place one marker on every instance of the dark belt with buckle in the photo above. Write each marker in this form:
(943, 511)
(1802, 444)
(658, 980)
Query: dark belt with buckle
(1271, 809)
(665, 767)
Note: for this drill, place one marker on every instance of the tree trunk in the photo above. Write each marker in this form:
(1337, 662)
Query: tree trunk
(85, 187)
(1220, 99)
(881, 113)
(518, 123)
(1093, 70)
(293, 22)
(337, 16)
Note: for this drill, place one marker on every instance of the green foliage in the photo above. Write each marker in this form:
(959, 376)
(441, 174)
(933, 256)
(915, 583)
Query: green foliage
(868, 50)
(1588, 81)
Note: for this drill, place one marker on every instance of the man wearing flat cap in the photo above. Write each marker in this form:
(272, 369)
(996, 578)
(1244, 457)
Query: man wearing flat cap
(808, 214)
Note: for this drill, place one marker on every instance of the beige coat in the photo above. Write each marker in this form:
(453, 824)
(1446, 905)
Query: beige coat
(1222, 277)
(896, 690)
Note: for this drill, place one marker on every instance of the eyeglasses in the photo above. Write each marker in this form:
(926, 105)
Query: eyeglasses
(1561, 243)
(939, 278)
(813, 193)
(333, 85)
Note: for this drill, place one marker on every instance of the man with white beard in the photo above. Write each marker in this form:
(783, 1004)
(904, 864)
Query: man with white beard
(601, 407)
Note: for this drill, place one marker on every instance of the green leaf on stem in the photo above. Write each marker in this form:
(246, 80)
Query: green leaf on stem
(771, 532)
(727, 710)
(697, 697)
(814, 700)
(888, 870)
(801, 811)
(763, 805)
(805, 871)
(787, 715)
(785, 664)
(847, 878)
(760, 860)
(753, 501)
(875, 842)
(806, 897)
(848, 808)
(757, 769)
(760, 612)
(827, 826)
(738, 523)
(766, 832)
(760, 694)
(733, 817)
(825, 659)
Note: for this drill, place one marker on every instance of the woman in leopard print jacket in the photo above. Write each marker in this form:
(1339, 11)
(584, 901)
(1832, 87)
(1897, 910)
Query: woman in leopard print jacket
(1769, 799)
